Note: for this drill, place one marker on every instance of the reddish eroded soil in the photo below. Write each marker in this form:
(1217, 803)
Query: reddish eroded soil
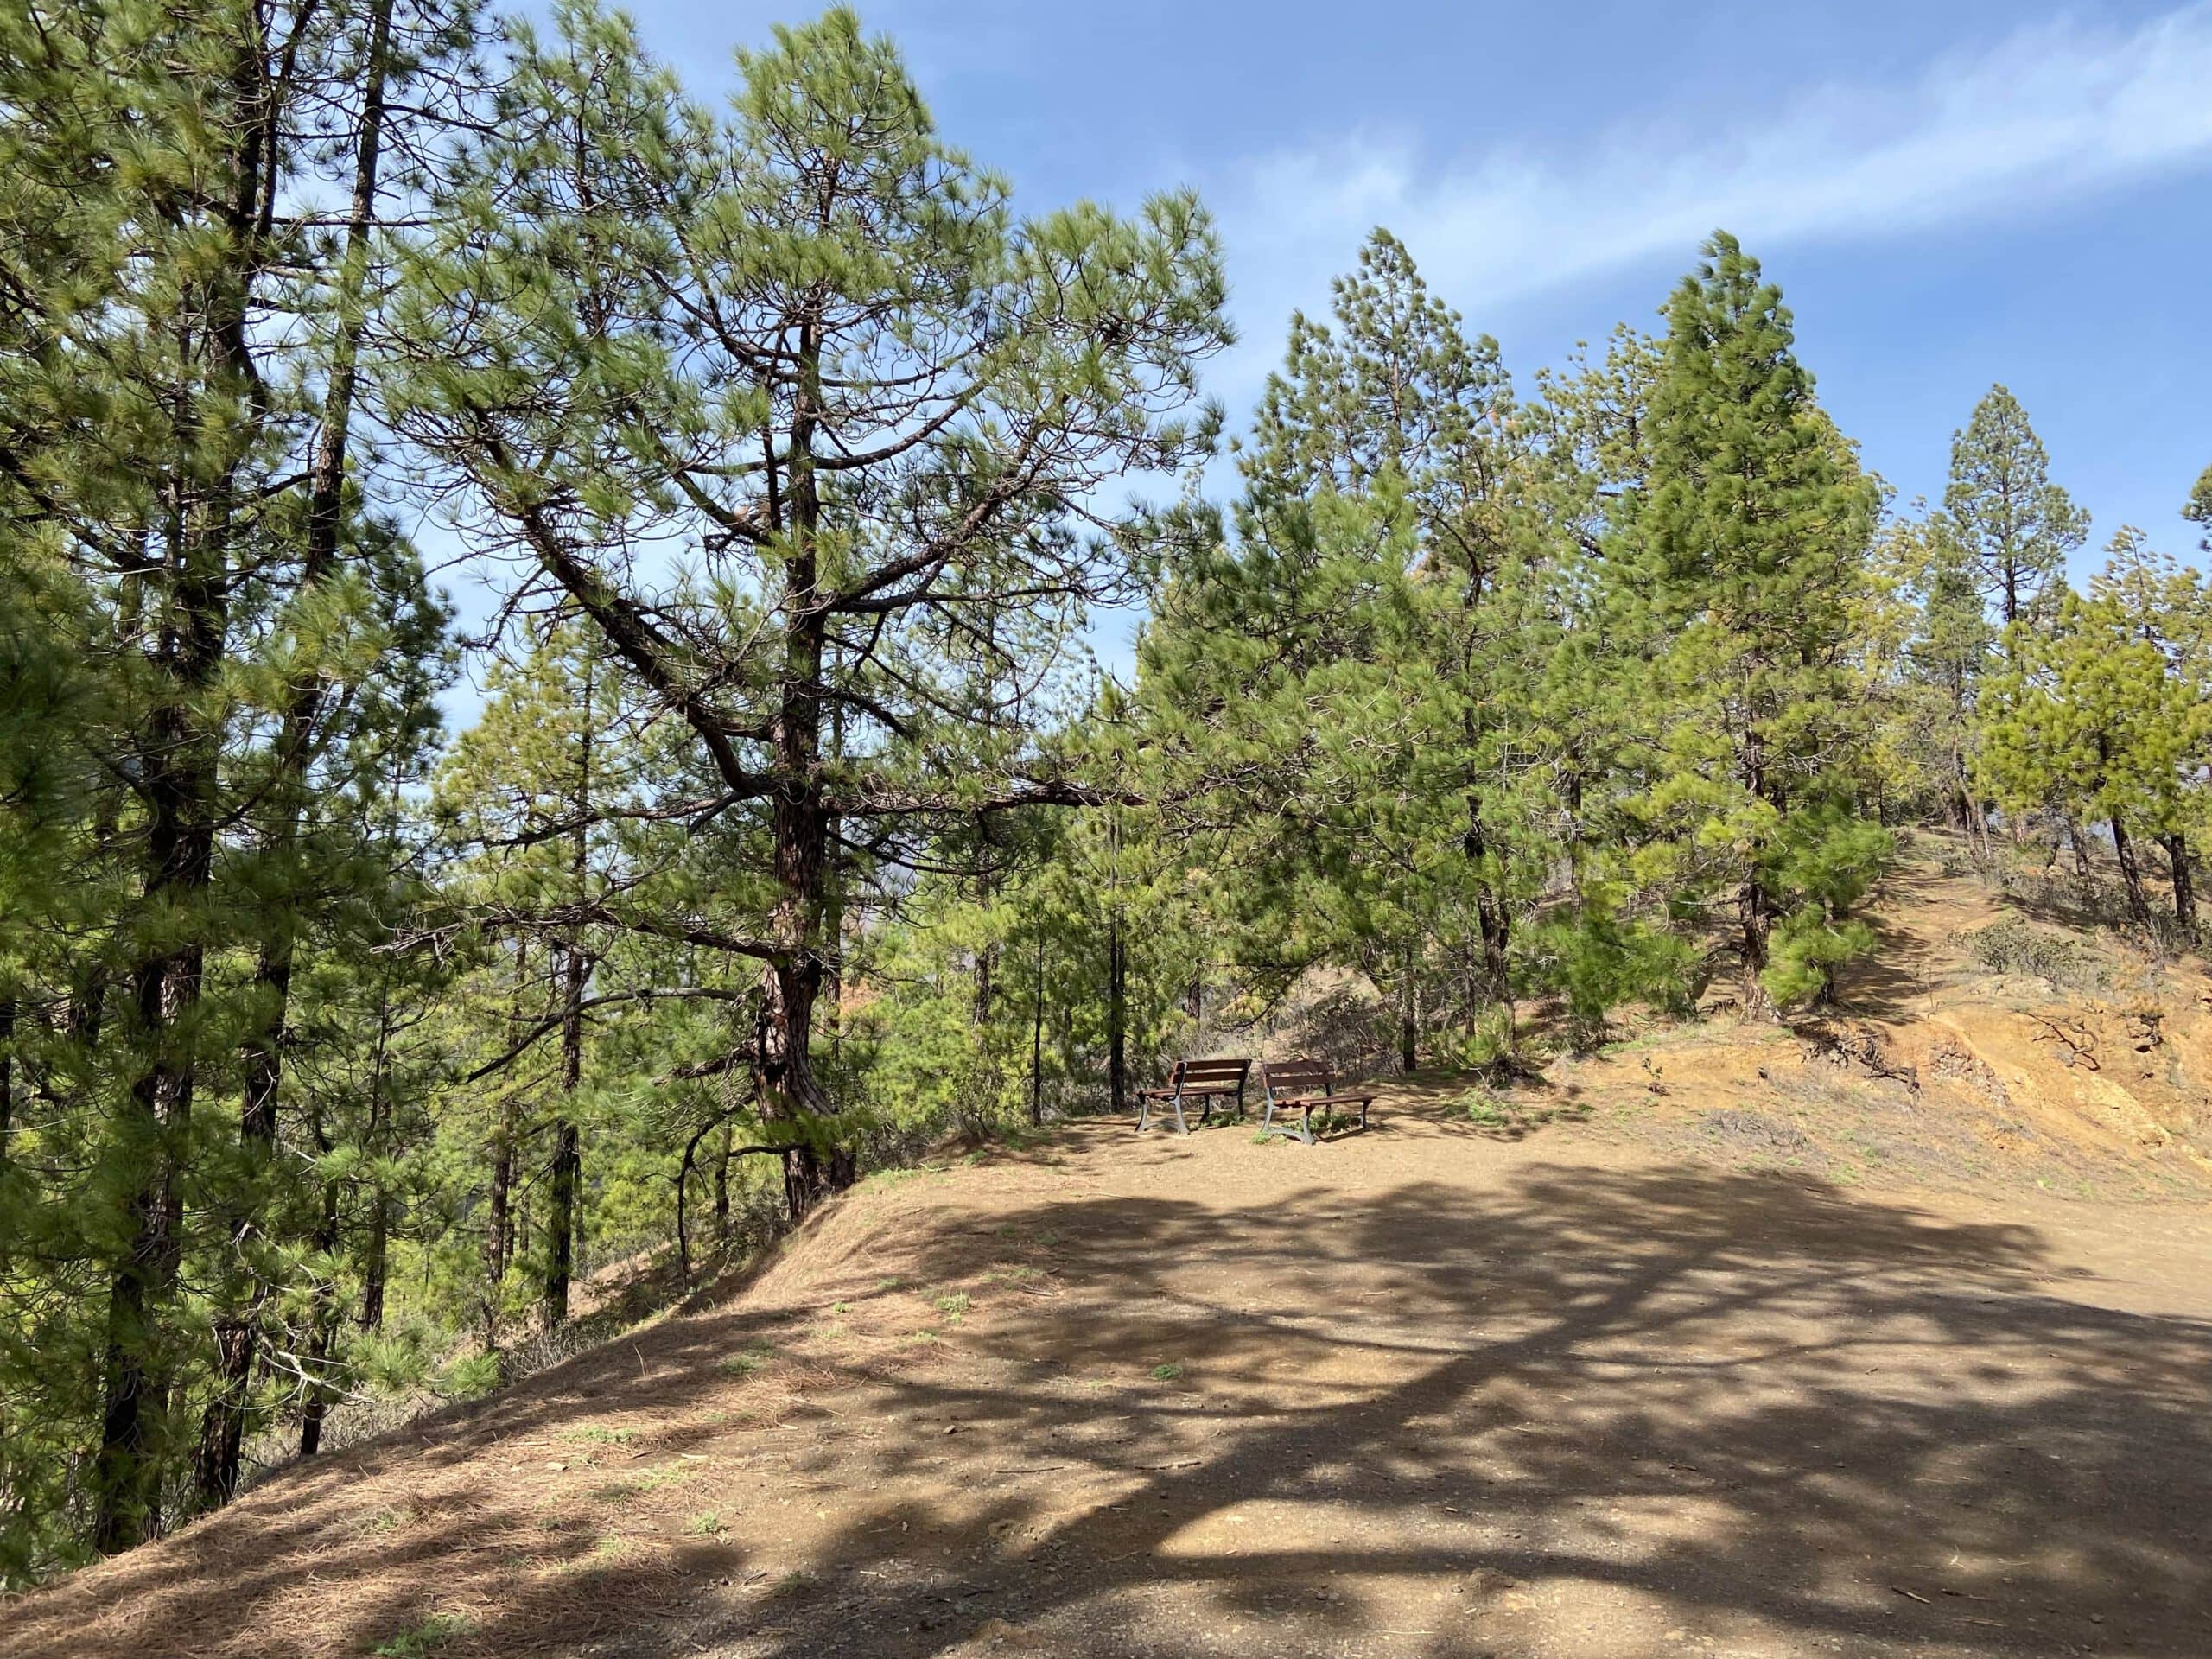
(1549, 1389)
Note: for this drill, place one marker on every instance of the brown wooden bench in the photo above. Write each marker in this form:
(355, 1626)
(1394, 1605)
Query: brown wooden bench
(1305, 1087)
(1205, 1081)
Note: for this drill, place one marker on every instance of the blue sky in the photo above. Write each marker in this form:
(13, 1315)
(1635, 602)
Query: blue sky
(1950, 193)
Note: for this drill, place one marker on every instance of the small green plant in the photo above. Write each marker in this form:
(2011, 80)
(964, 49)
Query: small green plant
(749, 1360)
(596, 1434)
(2016, 945)
(840, 1308)
(419, 1640)
(472, 1378)
(705, 1525)
(1167, 1373)
(1486, 1109)
(954, 1306)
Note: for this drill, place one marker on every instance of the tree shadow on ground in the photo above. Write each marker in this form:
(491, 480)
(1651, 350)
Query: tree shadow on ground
(1742, 1407)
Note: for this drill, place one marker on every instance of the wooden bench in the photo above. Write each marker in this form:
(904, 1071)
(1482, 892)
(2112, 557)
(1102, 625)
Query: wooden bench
(1205, 1081)
(1304, 1087)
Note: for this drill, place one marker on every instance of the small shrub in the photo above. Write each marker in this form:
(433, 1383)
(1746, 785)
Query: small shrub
(1166, 1373)
(472, 1378)
(419, 1640)
(954, 1305)
(1483, 1110)
(705, 1525)
(598, 1435)
(2016, 945)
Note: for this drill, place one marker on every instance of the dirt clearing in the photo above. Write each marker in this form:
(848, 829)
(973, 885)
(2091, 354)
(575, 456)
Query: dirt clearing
(1438, 1390)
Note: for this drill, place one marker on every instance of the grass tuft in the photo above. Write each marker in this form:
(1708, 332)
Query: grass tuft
(418, 1640)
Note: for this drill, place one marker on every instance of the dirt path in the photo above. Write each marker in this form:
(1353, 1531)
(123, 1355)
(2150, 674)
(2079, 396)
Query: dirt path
(1430, 1391)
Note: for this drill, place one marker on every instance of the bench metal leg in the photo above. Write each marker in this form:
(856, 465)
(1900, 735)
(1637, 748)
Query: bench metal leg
(1305, 1130)
(1181, 1126)
(1144, 1112)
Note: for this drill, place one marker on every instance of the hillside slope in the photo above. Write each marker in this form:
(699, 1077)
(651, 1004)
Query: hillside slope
(1890, 1341)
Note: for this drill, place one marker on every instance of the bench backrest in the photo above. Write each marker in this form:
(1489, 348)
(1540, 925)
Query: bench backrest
(1293, 1078)
(1210, 1074)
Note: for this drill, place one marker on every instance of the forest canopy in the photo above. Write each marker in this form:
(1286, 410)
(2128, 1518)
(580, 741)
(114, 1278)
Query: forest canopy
(348, 1021)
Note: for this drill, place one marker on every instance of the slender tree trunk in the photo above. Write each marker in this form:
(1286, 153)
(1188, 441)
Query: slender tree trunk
(563, 1219)
(721, 1190)
(1117, 1007)
(1754, 915)
(1491, 918)
(568, 1143)
(323, 1328)
(2176, 846)
(497, 1222)
(1753, 925)
(2130, 875)
(985, 954)
(1409, 1019)
(1037, 1041)
(376, 1262)
(237, 1331)
(7, 1079)
(833, 907)
(179, 754)
(799, 817)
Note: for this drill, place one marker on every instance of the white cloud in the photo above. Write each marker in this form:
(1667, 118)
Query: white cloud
(2050, 112)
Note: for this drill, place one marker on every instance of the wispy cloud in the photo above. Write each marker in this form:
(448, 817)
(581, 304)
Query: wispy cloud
(2052, 112)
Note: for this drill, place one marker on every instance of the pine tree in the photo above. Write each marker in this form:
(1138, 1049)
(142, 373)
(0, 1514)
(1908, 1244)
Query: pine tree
(2105, 714)
(2015, 526)
(172, 309)
(808, 350)
(1735, 564)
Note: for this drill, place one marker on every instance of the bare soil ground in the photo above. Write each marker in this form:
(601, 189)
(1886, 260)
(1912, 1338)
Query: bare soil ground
(1670, 1358)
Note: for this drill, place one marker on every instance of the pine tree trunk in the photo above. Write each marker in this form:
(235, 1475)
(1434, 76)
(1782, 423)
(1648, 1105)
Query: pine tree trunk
(1491, 918)
(722, 1191)
(237, 1331)
(1117, 1015)
(7, 1080)
(2176, 846)
(2131, 875)
(180, 756)
(1753, 925)
(323, 1330)
(985, 954)
(496, 1225)
(1037, 1041)
(799, 816)
(1408, 1021)
(376, 1262)
(567, 1144)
